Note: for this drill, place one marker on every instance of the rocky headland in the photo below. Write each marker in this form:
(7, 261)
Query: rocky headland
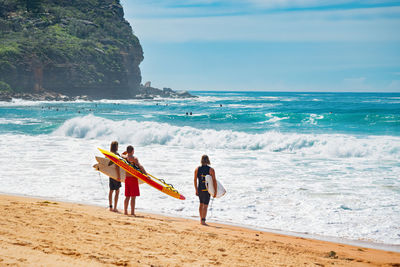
(64, 50)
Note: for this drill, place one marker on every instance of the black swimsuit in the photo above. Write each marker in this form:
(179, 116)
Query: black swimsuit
(113, 184)
(204, 196)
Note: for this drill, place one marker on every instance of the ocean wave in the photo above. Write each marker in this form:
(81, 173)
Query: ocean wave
(143, 102)
(19, 121)
(273, 118)
(154, 133)
(16, 102)
(21, 102)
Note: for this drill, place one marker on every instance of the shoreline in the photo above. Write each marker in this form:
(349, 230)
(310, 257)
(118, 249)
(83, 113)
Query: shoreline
(36, 231)
(145, 93)
(331, 239)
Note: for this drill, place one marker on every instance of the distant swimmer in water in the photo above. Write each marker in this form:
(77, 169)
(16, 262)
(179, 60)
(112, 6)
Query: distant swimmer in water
(200, 186)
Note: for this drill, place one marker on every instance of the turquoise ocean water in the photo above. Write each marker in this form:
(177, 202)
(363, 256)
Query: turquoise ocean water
(320, 163)
(250, 112)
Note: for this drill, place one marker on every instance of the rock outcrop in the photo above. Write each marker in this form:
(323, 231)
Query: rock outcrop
(71, 48)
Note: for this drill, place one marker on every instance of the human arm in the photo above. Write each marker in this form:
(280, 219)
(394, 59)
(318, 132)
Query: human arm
(136, 162)
(118, 173)
(212, 173)
(195, 182)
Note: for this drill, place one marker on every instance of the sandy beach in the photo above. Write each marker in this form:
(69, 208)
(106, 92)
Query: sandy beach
(37, 232)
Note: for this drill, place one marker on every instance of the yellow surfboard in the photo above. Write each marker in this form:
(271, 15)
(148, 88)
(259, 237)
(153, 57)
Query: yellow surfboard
(149, 179)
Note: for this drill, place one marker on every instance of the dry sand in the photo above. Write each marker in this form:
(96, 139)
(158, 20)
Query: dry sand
(35, 232)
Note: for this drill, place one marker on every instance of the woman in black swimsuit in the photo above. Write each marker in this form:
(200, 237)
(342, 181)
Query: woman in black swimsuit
(200, 186)
(114, 185)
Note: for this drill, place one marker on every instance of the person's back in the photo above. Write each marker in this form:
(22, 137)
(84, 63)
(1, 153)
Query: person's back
(202, 171)
(200, 186)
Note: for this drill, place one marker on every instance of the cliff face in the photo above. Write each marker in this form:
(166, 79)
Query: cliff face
(74, 47)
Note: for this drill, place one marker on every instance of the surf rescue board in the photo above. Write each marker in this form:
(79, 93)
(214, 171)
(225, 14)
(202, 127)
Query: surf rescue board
(149, 179)
(107, 167)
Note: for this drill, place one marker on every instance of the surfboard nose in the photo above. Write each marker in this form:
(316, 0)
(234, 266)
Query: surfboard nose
(182, 197)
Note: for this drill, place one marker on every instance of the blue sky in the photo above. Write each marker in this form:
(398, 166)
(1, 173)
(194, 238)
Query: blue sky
(269, 45)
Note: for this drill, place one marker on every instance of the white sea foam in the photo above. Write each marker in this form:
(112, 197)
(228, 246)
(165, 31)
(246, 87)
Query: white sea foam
(142, 102)
(154, 133)
(17, 102)
(20, 102)
(306, 190)
(273, 118)
(270, 97)
(19, 121)
(313, 118)
(211, 99)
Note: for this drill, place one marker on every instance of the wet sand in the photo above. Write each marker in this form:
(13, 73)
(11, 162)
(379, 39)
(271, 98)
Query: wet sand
(35, 232)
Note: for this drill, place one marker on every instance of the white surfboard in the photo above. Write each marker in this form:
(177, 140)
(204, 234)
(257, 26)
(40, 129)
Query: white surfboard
(107, 167)
(210, 187)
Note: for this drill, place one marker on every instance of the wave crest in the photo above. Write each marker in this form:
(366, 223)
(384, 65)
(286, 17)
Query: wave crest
(150, 133)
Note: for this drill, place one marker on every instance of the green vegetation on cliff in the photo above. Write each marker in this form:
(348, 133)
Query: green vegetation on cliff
(74, 47)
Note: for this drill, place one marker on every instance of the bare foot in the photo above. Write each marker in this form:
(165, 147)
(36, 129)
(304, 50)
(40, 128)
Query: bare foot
(116, 210)
(111, 209)
(203, 222)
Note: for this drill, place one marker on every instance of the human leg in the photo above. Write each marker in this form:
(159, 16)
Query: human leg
(126, 203)
(204, 198)
(116, 200)
(205, 208)
(110, 193)
(203, 213)
(133, 203)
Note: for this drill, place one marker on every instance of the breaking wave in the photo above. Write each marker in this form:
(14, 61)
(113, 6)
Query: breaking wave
(155, 133)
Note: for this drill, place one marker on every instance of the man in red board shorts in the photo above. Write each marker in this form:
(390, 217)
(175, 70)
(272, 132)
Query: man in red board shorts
(131, 183)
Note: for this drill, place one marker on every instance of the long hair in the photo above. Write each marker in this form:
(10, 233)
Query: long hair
(205, 160)
(114, 146)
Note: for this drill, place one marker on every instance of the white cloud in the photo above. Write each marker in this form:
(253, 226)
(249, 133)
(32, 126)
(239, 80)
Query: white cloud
(203, 8)
(329, 26)
(294, 3)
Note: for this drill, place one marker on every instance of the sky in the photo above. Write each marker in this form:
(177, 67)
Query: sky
(269, 45)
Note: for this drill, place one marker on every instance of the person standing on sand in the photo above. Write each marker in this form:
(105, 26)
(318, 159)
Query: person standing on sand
(131, 183)
(113, 184)
(200, 186)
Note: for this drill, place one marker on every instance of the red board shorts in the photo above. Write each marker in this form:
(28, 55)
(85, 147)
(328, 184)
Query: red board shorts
(131, 187)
